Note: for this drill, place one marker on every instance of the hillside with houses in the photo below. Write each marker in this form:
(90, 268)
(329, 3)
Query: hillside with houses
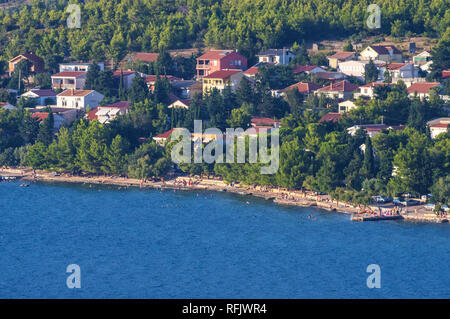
(356, 120)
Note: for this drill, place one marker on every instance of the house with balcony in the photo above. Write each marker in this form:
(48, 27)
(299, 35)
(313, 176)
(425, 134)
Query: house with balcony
(78, 66)
(217, 60)
(221, 79)
(78, 99)
(69, 80)
(339, 90)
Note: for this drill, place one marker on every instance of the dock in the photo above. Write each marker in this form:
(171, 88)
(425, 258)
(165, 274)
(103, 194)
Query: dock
(362, 218)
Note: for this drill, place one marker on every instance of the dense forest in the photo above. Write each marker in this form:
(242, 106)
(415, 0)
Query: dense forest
(111, 28)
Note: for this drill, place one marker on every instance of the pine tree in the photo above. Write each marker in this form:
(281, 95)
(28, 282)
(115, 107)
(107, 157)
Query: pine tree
(368, 167)
(45, 134)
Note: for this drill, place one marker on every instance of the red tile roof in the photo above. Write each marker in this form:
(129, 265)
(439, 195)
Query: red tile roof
(445, 74)
(222, 74)
(333, 117)
(40, 116)
(252, 71)
(125, 73)
(396, 66)
(145, 57)
(69, 74)
(304, 68)
(422, 87)
(3, 104)
(214, 55)
(342, 55)
(165, 134)
(264, 121)
(342, 86)
(304, 87)
(92, 115)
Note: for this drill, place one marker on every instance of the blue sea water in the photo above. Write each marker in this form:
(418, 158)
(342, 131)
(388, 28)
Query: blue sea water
(163, 244)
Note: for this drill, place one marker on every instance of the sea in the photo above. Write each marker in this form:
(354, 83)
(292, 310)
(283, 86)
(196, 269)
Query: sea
(66, 240)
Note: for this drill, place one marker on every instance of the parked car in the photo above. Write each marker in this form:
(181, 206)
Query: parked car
(381, 199)
(396, 202)
(445, 208)
(409, 202)
(430, 206)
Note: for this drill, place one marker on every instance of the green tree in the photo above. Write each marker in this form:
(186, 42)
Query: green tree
(371, 72)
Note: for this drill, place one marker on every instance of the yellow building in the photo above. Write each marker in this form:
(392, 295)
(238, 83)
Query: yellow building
(221, 79)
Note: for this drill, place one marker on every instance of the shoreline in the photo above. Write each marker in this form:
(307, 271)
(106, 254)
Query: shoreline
(279, 196)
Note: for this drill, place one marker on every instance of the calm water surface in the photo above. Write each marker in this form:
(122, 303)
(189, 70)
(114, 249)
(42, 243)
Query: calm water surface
(151, 244)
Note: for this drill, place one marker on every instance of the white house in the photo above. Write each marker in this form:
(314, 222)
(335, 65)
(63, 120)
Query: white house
(180, 104)
(400, 71)
(386, 53)
(69, 80)
(368, 90)
(107, 113)
(41, 97)
(373, 129)
(78, 66)
(438, 126)
(423, 89)
(78, 99)
(276, 56)
(338, 90)
(346, 106)
(357, 68)
(422, 58)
